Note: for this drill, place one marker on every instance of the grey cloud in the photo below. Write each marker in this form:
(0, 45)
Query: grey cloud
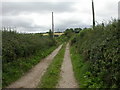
(26, 25)
(32, 30)
(21, 24)
(70, 24)
(109, 10)
(17, 22)
(13, 8)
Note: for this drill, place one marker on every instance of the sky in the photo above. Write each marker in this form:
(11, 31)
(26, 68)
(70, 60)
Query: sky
(35, 16)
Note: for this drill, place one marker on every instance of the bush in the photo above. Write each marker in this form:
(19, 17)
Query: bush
(22, 51)
(101, 48)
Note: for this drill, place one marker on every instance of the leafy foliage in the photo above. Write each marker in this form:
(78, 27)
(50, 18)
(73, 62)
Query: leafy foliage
(101, 48)
(21, 51)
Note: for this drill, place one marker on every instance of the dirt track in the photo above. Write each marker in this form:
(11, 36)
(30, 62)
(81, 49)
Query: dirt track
(67, 76)
(32, 78)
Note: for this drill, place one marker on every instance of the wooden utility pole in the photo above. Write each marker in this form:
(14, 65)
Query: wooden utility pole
(118, 26)
(52, 24)
(93, 14)
(119, 10)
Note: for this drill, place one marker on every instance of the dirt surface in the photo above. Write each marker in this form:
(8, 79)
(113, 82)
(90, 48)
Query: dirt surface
(33, 77)
(67, 76)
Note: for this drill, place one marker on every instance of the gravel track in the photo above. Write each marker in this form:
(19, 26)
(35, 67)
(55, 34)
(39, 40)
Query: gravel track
(32, 78)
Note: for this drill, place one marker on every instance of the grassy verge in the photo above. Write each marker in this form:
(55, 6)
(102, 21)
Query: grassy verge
(18, 68)
(51, 77)
(79, 67)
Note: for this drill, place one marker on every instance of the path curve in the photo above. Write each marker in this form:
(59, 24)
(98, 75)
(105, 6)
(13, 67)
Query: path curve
(33, 77)
(67, 76)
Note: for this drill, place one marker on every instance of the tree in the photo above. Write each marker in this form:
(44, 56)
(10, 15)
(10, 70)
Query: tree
(69, 32)
(77, 30)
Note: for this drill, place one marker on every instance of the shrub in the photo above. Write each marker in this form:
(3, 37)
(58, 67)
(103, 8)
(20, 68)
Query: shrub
(101, 48)
(21, 51)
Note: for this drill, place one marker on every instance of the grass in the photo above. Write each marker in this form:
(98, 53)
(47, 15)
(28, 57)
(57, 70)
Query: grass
(52, 75)
(18, 68)
(79, 67)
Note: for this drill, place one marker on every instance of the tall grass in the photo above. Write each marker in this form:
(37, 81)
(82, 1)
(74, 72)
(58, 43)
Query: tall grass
(80, 67)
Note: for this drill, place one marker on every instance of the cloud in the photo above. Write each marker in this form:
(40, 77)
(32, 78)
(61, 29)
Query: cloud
(22, 25)
(15, 8)
(70, 24)
(12, 21)
(107, 10)
(36, 16)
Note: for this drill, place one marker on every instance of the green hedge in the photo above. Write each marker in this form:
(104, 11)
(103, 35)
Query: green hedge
(101, 48)
(20, 52)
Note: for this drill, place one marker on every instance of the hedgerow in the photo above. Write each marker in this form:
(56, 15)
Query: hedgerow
(100, 47)
(21, 51)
